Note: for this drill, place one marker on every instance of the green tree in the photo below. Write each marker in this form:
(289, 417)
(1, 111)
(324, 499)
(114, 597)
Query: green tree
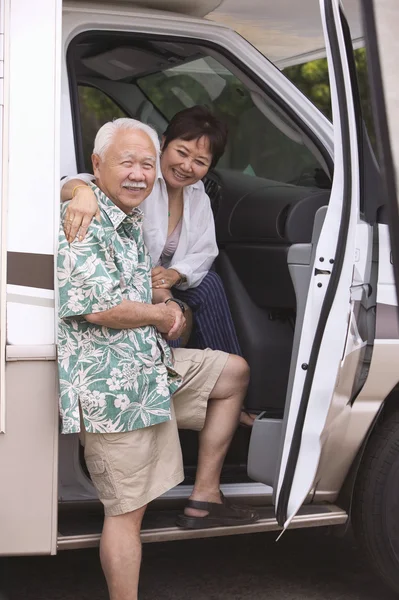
(312, 79)
(95, 109)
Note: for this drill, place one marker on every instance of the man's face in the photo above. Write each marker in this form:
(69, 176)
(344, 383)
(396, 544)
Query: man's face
(127, 171)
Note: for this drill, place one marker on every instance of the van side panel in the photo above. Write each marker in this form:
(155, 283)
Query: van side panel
(28, 460)
(29, 444)
(33, 188)
(4, 14)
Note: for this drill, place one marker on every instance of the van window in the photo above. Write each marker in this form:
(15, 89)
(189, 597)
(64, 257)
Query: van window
(256, 145)
(96, 108)
(312, 79)
(154, 79)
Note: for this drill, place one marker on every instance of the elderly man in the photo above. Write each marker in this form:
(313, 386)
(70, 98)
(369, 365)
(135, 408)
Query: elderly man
(118, 374)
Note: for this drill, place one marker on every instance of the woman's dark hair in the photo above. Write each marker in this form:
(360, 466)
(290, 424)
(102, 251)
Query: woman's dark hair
(197, 122)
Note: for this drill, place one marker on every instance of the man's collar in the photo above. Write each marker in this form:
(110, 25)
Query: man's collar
(114, 213)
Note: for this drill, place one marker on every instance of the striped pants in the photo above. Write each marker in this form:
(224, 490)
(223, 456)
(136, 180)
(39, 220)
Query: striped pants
(213, 324)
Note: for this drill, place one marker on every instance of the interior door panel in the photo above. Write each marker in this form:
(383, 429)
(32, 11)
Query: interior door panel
(257, 220)
(257, 209)
(266, 343)
(263, 270)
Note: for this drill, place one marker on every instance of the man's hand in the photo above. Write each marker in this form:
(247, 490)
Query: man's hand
(170, 320)
(80, 212)
(164, 278)
(180, 323)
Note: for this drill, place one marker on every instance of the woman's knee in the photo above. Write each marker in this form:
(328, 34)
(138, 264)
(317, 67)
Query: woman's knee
(212, 280)
(210, 291)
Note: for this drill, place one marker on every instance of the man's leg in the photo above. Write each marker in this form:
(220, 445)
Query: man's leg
(129, 470)
(120, 554)
(222, 417)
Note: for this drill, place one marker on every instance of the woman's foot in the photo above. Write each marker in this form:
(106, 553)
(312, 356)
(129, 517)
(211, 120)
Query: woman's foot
(246, 418)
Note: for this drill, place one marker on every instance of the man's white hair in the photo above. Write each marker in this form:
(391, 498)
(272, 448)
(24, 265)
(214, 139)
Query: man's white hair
(107, 132)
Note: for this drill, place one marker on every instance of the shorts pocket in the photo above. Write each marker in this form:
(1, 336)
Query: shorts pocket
(133, 452)
(113, 437)
(101, 478)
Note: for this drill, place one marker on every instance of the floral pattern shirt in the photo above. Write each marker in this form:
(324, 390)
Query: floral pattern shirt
(123, 379)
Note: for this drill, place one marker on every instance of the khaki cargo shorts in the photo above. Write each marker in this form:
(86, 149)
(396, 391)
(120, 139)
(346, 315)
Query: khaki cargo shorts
(131, 469)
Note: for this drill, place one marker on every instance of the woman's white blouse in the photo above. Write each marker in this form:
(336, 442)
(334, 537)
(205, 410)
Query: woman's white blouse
(197, 248)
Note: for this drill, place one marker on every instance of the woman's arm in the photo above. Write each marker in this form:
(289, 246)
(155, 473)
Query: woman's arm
(164, 278)
(81, 209)
(202, 248)
(69, 187)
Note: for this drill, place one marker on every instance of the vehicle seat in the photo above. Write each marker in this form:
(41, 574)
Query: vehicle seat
(254, 234)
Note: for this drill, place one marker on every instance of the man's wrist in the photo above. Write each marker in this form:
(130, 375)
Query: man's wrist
(156, 317)
(179, 303)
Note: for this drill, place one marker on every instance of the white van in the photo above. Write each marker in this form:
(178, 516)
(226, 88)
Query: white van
(301, 219)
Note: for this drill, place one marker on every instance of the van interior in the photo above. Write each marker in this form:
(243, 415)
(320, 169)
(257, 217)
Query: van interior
(266, 192)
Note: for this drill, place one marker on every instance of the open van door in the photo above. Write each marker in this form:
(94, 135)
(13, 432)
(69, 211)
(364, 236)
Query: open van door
(339, 271)
(381, 20)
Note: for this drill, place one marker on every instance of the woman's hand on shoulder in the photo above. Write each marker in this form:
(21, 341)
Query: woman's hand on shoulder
(80, 212)
(164, 278)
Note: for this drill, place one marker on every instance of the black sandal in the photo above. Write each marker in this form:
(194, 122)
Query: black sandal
(219, 515)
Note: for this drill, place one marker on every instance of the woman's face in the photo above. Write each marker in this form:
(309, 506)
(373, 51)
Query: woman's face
(185, 162)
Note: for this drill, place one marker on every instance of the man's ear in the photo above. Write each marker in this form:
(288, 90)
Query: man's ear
(95, 160)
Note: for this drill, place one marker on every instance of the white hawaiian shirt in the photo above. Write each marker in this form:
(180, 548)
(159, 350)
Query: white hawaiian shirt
(123, 379)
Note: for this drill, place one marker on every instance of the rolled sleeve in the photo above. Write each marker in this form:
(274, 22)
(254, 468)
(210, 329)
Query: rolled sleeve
(184, 269)
(201, 247)
(88, 278)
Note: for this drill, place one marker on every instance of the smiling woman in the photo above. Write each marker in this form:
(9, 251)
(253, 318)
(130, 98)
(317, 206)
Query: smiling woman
(185, 162)
(199, 125)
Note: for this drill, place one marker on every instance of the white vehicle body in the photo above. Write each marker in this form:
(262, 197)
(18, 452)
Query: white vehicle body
(345, 346)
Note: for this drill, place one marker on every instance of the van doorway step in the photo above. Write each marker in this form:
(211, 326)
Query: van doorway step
(81, 527)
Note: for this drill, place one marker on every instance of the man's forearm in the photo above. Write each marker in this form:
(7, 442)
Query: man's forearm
(127, 315)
